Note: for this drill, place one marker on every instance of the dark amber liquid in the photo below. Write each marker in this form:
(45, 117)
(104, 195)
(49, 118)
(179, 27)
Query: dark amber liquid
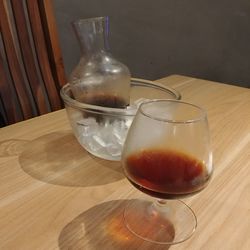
(104, 100)
(166, 174)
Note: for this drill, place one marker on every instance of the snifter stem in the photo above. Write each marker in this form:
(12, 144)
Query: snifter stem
(161, 202)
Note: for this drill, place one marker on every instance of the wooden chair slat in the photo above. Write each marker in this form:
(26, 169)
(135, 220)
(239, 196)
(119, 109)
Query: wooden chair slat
(48, 18)
(28, 57)
(31, 64)
(41, 50)
(5, 95)
(13, 62)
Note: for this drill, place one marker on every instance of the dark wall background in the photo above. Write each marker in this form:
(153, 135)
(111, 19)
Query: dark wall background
(208, 39)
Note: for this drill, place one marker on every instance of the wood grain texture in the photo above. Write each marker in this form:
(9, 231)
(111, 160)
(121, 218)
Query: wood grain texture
(28, 57)
(42, 54)
(51, 33)
(31, 61)
(5, 93)
(55, 195)
(13, 62)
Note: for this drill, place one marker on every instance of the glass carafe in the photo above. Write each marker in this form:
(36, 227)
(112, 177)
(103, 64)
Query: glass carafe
(99, 79)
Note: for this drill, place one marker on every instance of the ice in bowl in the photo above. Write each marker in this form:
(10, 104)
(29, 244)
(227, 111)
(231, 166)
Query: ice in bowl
(102, 130)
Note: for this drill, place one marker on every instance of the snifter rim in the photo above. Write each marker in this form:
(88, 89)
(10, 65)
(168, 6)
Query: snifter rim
(199, 117)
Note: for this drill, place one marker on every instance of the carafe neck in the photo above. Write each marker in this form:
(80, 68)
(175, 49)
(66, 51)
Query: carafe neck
(92, 34)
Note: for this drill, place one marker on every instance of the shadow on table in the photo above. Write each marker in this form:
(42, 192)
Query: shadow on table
(58, 158)
(102, 227)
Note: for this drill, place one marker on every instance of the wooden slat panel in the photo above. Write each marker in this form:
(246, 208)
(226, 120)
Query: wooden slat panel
(6, 96)
(13, 62)
(42, 55)
(47, 15)
(28, 58)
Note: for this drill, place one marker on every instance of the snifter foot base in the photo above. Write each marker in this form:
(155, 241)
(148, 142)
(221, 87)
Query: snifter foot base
(162, 222)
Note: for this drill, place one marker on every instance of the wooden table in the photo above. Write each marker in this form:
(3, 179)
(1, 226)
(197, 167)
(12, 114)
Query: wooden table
(54, 195)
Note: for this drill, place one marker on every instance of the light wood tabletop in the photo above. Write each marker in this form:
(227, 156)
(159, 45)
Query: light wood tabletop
(55, 195)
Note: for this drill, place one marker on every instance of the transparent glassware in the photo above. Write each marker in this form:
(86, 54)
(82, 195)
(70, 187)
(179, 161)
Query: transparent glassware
(99, 78)
(166, 155)
(102, 130)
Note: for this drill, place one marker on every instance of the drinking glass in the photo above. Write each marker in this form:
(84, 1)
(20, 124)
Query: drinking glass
(166, 155)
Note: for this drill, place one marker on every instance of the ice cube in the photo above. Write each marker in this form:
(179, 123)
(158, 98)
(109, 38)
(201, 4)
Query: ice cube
(106, 137)
(89, 143)
(119, 131)
(88, 126)
(99, 140)
(133, 107)
(114, 149)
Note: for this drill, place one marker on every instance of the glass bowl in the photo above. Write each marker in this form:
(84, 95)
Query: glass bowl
(102, 130)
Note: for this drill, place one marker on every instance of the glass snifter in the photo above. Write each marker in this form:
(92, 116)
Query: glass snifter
(166, 155)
